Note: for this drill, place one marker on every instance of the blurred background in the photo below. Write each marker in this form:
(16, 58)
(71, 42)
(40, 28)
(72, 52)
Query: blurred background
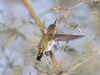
(19, 37)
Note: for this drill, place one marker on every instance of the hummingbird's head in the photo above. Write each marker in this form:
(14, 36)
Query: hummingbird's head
(52, 28)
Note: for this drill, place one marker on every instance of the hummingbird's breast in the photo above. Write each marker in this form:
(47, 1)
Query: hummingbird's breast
(46, 43)
(43, 44)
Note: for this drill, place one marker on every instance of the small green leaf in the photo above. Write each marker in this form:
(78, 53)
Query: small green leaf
(73, 25)
(30, 73)
(43, 23)
(31, 22)
(36, 20)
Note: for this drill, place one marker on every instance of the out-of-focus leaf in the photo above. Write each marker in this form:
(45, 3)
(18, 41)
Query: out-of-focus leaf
(11, 33)
(84, 25)
(36, 20)
(98, 15)
(31, 22)
(17, 71)
(59, 31)
(61, 19)
(44, 24)
(96, 1)
(73, 25)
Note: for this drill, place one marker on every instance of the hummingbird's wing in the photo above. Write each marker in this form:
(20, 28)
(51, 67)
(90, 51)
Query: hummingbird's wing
(66, 37)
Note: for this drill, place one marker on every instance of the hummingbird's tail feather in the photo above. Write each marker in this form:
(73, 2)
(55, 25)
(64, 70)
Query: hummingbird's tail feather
(39, 56)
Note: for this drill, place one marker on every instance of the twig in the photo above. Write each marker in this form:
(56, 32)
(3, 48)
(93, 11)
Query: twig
(68, 9)
(61, 51)
(54, 61)
(88, 34)
(48, 60)
(82, 62)
(33, 14)
(57, 3)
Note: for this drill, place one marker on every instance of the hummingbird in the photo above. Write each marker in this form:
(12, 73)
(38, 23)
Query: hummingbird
(50, 37)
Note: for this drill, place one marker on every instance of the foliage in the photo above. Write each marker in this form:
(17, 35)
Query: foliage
(71, 60)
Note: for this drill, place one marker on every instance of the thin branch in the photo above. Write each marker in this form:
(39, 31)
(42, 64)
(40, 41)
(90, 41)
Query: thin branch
(33, 14)
(57, 3)
(54, 61)
(69, 9)
(82, 62)
(61, 52)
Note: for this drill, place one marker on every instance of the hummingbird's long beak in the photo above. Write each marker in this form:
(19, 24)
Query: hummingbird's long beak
(55, 22)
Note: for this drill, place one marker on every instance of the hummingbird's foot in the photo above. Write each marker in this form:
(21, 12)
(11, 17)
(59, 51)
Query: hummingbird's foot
(50, 51)
(47, 53)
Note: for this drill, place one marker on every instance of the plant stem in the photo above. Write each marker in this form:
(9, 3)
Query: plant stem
(33, 14)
